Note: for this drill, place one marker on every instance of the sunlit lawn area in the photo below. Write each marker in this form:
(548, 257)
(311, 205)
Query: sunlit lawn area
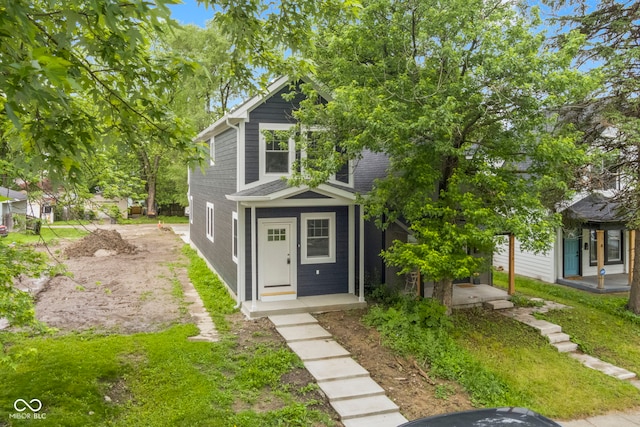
(47, 235)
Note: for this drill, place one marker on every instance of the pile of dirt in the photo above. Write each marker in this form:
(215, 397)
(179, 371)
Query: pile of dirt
(100, 240)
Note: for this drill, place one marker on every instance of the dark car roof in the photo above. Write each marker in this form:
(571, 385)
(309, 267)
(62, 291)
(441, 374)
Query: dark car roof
(508, 416)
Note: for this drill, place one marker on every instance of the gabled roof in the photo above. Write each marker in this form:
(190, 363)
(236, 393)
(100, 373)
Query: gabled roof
(595, 208)
(241, 112)
(280, 189)
(15, 196)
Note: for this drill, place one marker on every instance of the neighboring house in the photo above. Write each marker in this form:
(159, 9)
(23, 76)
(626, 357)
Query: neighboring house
(11, 203)
(573, 257)
(269, 241)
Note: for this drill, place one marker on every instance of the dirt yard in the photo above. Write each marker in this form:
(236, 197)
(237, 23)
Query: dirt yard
(122, 282)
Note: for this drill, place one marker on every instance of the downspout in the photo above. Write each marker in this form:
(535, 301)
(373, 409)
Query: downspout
(240, 283)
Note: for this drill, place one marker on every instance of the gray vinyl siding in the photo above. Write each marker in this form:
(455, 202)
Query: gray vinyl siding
(273, 110)
(333, 277)
(211, 186)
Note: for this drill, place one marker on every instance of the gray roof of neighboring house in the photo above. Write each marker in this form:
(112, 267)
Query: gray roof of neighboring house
(11, 194)
(369, 167)
(596, 208)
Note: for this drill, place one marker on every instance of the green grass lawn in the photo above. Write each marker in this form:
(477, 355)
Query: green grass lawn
(598, 323)
(502, 362)
(157, 379)
(48, 235)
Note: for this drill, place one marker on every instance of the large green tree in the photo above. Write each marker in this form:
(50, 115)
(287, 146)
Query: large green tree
(610, 119)
(462, 97)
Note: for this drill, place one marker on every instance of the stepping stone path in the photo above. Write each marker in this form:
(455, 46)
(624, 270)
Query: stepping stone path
(357, 398)
(208, 331)
(562, 341)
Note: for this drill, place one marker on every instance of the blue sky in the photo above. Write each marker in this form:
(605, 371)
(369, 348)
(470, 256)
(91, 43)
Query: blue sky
(190, 12)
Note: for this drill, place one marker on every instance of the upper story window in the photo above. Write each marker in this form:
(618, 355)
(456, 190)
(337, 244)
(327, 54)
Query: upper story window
(277, 149)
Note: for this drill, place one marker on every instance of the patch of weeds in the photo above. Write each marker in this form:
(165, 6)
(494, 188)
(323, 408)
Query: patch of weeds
(260, 334)
(107, 291)
(443, 391)
(309, 388)
(145, 296)
(80, 288)
(98, 283)
(520, 300)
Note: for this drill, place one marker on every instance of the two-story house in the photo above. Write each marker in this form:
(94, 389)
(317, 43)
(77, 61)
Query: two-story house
(270, 242)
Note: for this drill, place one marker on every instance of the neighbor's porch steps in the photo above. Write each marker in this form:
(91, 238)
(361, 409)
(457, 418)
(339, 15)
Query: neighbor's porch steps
(561, 341)
(358, 399)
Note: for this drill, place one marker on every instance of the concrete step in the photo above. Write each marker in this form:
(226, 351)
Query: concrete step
(558, 337)
(604, 367)
(335, 369)
(292, 319)
(565, 346)
(381, 420)
(545, 328)
(350, 388)
(500, 304)
(372, 405)
(303, 333)
(318, 349)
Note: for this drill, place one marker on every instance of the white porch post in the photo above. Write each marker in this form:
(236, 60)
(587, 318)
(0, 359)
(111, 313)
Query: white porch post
(254, 261)
(352, 250)
(361, 256)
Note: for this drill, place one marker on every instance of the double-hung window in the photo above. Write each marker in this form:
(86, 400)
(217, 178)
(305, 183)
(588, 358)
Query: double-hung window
(209, 221)
(318, 238)
(277, 149)
(234, 236)
(613, 247)
(212, 151)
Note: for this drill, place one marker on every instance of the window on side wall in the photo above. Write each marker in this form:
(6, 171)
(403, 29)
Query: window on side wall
(234, 236)
(210, 221)
(318, 238)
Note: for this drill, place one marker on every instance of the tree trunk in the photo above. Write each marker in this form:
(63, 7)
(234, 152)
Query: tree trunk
(443, 292)
(634, 295)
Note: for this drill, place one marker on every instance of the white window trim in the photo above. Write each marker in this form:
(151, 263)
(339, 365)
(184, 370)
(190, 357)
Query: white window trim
(190, 209)
(210, 221)
(234, 231)
(331, 216)
(212, 151)
(262, 146)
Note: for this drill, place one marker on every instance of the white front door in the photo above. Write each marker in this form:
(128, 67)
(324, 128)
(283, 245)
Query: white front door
(277, 259)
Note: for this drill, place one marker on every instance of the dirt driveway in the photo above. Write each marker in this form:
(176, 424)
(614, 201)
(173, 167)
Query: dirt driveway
(122, 280)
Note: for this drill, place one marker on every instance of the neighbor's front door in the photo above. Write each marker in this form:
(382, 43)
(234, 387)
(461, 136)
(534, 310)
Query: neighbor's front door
(277, 259)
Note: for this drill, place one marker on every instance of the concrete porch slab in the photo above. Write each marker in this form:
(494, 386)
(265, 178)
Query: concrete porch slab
(350, 388)
(318, 349)
(469, 295)
(383, 420)
(335, 369)
(303, 332)
(314, 304)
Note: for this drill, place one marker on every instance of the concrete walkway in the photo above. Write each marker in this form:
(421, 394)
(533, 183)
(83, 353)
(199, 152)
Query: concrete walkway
(358, 400)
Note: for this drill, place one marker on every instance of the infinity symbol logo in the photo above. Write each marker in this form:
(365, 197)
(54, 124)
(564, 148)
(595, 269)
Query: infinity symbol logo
(20, 408)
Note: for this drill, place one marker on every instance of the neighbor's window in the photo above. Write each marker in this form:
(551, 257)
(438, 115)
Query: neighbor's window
(613, 247)
(210, 218)
(318, 238)
(234, 232)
